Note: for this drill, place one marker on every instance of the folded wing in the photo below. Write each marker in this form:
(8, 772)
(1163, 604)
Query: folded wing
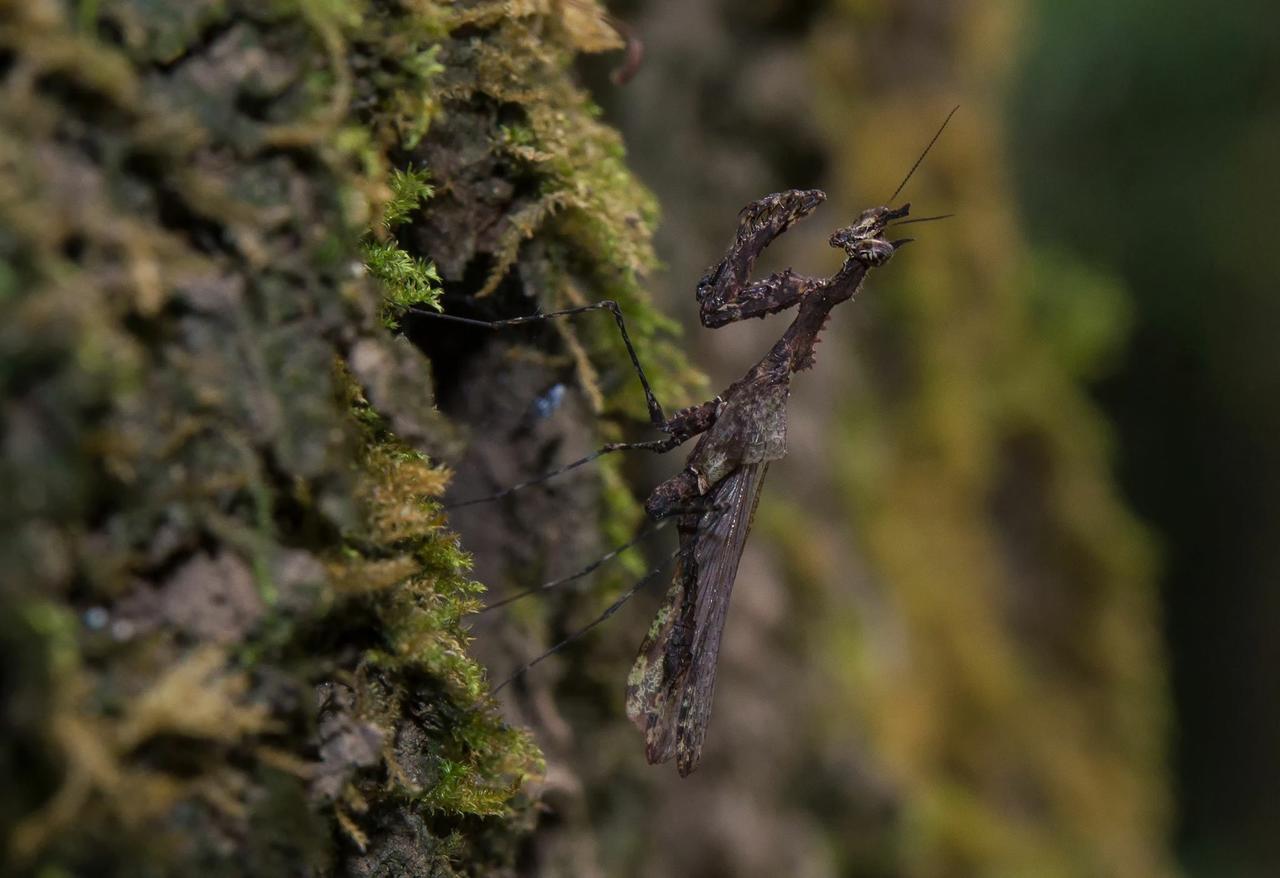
(669, 691)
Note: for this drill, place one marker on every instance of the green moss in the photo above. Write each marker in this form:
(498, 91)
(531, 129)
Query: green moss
(588, 212)
(177, 250)
(579, 225)
(409, 189)
(406, 280)
(476, 763)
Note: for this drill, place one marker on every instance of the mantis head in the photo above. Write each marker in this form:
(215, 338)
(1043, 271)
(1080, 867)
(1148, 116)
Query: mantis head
(864, 240)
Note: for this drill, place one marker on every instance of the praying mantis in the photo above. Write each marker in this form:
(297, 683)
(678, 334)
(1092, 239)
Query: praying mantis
(739, 433)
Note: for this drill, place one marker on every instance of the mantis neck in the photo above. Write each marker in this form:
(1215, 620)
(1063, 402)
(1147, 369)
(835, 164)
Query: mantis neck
(795, 350)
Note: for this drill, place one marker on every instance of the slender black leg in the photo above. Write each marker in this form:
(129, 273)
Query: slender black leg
(655, 410)
(698, 507)
(649, 528)
(612, 608)
(659, 446)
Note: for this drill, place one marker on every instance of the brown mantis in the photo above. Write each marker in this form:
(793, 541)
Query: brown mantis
(713, 499)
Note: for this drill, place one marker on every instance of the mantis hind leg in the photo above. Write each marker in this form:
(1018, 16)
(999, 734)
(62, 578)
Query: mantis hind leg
(681, 427)
(660, 446)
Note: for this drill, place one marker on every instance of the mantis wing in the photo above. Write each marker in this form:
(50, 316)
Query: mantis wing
(670, 688)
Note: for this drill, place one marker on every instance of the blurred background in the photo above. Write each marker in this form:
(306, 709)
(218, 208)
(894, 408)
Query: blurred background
(1009, 608)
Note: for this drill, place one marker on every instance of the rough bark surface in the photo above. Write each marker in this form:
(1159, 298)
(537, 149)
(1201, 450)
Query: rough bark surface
(231, 608)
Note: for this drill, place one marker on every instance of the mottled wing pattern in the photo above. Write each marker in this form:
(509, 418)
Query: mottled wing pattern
(670, 689)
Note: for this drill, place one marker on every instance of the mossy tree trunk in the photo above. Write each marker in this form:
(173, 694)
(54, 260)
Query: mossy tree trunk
(231, 603)
(231, 607)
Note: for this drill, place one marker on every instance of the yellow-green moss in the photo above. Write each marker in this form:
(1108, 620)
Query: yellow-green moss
(593, 212)
(1011, 684)
(588, 225)
(478, 763)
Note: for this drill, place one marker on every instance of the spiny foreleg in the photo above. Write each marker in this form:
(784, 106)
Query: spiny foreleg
(724, 294)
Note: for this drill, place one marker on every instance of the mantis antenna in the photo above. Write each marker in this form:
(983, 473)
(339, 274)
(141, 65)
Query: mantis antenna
(941, 128)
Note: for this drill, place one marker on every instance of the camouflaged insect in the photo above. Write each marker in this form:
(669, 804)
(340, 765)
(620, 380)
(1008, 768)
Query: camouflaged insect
(670, 688)
(713, 499)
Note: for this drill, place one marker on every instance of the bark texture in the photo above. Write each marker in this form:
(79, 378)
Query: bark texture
(231, 607)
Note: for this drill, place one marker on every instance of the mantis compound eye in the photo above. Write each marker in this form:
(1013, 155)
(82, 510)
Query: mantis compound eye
(873, 252)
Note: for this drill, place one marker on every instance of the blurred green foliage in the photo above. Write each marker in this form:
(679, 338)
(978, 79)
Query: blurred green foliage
(1013, 682)
(1145, 143)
